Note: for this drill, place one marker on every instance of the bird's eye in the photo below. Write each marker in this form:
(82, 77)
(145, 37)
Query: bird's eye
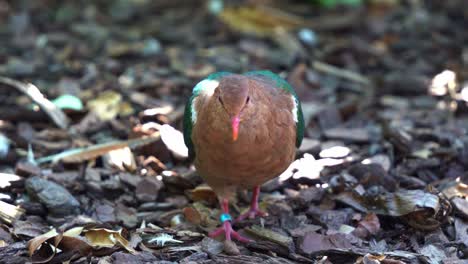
(247, 100)
(220, 100)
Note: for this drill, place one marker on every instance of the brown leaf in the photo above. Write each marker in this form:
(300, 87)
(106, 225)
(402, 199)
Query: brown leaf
(204, 193)
(38, 241)
(101, 237)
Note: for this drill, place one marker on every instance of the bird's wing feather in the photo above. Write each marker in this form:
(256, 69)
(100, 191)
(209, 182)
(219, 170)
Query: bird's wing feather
(283, 84)
(190, 113)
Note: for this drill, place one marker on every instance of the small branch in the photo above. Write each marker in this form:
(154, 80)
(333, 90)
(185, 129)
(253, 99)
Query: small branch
(57, 116)
(78, 155)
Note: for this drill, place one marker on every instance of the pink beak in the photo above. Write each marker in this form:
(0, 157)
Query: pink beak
(235, 127)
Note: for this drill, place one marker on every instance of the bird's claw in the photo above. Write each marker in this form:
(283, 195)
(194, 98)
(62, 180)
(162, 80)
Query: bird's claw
(227, 230)
(251, 214)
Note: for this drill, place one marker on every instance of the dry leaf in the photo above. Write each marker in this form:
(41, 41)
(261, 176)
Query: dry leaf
(44, 251)
(204, 193)
(258, 20)
(74, 232)
(106, 105)
(36, 242)
(101, 237)
(43, 248)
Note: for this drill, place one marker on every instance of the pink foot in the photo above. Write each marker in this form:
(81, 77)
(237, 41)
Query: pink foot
(253, 211)
(226, 227)
(227, 230)
(251, 214)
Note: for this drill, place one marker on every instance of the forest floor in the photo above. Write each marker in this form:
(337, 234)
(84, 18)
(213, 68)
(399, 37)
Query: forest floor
(92, 163)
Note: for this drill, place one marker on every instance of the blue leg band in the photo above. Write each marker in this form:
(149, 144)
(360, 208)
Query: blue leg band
(225, 217)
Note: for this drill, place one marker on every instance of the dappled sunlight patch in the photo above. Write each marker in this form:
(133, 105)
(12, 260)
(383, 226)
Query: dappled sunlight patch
(6, 179)
(335, 152)
(174, 140)
(308, 167)
(464, 93)
(122, 159)
(442, 83)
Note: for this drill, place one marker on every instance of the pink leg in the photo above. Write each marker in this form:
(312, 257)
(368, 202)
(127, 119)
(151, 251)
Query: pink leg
(226, 227)
(253, 211)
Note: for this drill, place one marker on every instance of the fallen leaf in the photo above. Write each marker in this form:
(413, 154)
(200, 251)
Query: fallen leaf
(101, 237)
(36, 242)
(204, 193)
(106, 105)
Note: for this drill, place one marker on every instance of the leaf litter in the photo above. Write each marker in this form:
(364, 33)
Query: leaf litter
(92, 162)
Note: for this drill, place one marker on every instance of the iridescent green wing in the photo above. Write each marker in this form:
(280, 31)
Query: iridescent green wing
(190, 114)
(283, 84)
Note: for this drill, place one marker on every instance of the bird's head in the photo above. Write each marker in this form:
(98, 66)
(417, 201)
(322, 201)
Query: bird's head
(233, 97)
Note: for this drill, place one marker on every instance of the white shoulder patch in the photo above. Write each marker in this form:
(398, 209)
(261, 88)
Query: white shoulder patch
(294, 110)
(205, 88)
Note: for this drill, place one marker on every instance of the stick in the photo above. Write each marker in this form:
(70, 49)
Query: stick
(57, 116)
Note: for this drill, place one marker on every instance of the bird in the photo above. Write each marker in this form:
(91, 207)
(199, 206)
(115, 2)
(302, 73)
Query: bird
(242, 130)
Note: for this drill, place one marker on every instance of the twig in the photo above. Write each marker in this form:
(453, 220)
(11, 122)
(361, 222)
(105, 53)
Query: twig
(59, 118)
(346, 74)
(87, 153)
